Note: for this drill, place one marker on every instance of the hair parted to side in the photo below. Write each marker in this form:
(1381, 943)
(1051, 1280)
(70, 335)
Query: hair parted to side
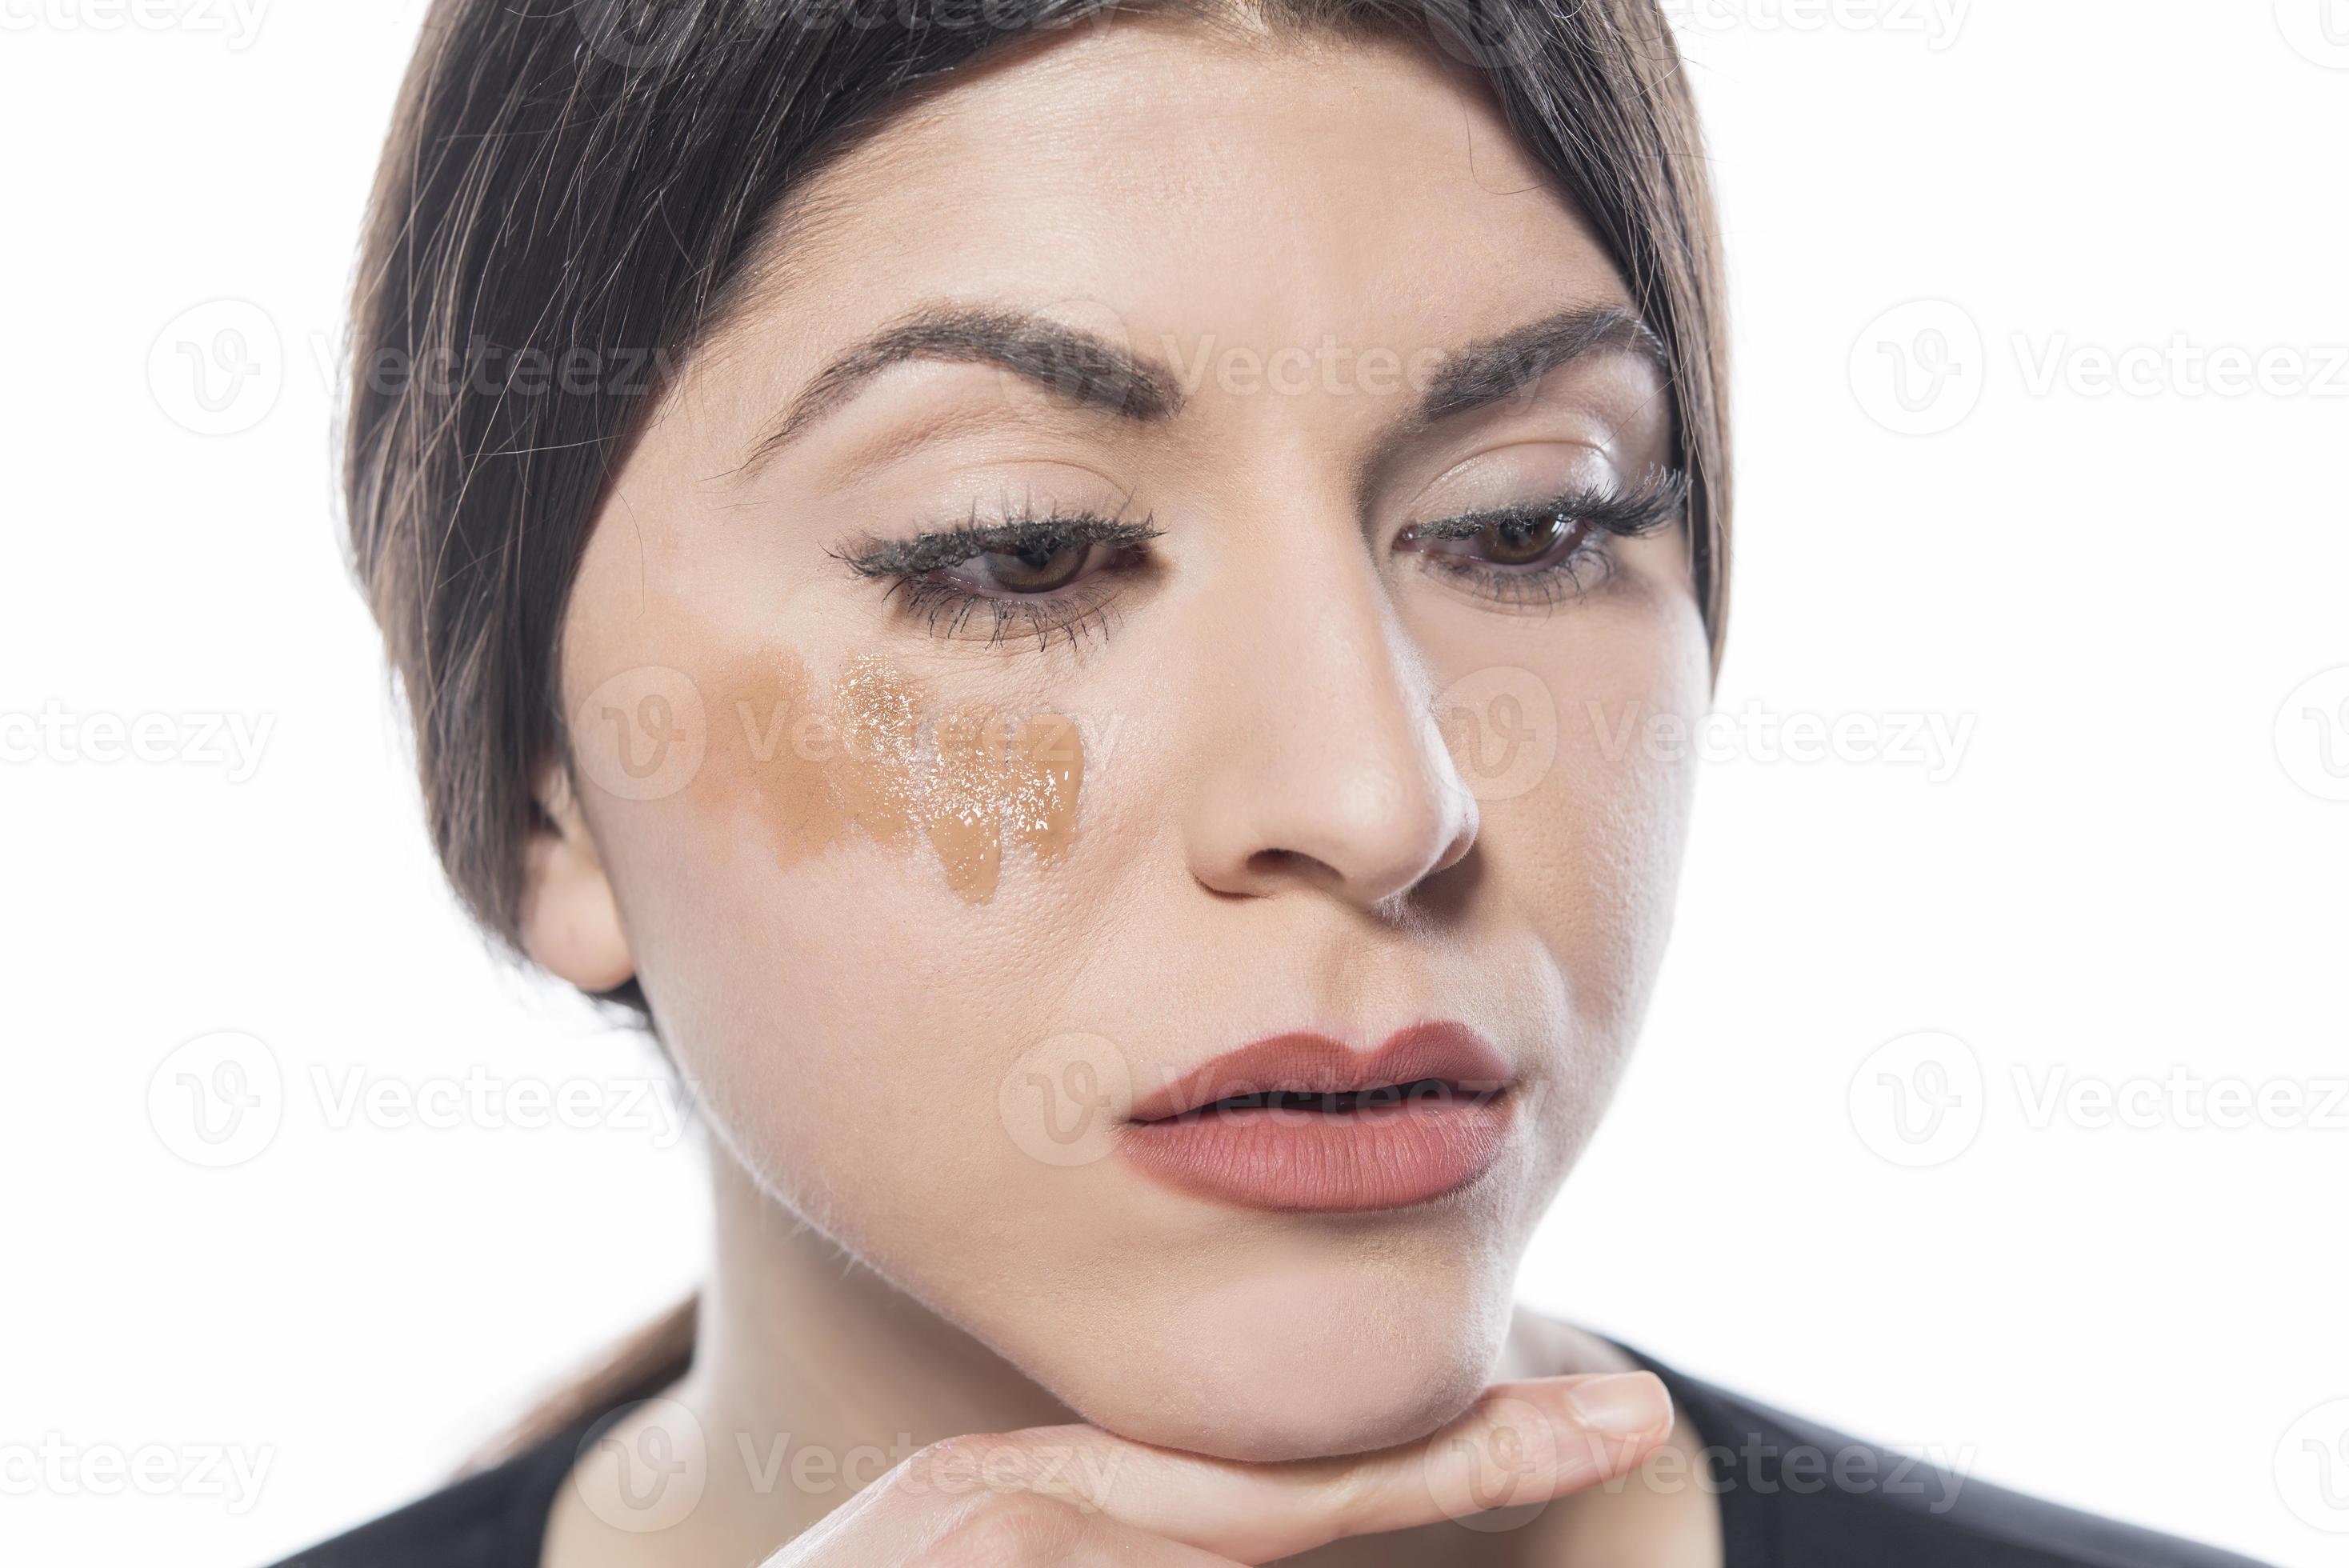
(572, 197)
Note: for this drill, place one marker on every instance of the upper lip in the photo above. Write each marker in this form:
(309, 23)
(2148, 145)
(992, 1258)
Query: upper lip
(1309, 1063)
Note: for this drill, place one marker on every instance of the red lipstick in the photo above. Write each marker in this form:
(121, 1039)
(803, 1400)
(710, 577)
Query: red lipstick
(1299, 1121)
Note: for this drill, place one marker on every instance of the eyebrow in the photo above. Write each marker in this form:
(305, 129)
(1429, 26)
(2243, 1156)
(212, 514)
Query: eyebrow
(1494, 369)
(1087, 370)
(1082, 367)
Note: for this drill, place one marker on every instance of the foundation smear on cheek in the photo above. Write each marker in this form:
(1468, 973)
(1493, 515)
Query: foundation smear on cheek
(863, 763)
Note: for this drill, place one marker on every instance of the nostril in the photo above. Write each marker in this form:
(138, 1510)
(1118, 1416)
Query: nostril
(1271, 865)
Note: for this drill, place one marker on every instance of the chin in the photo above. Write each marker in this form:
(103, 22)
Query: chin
(1301, 1360)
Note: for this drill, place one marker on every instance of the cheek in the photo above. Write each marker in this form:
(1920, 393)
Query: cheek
(858, 906)
(1585, 779)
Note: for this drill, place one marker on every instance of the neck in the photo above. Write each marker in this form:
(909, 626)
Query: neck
(812, 1375)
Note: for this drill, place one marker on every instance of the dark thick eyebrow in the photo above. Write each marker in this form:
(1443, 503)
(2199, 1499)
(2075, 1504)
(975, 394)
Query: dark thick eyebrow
(1499, 368)
(1089, 371)
(1082, 367)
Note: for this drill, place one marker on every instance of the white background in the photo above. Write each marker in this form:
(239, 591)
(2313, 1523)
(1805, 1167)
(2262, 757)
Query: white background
(2118, 879)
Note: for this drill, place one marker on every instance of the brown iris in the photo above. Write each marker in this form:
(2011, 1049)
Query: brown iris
(1521, 543)
(1038, 566)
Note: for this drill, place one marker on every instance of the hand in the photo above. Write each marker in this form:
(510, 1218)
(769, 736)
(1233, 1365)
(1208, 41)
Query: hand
(1076, 1495)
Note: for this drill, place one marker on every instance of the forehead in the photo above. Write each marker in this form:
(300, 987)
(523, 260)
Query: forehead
(1168, 178)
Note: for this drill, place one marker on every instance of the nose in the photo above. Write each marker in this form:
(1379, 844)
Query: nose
(1325, 767)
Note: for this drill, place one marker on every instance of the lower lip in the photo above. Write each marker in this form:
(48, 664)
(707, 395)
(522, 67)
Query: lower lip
(1381, 1157)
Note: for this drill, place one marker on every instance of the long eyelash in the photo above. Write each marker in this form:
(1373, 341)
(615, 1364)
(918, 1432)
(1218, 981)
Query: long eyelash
(1657, 502)
(934, 550)
(914, 567)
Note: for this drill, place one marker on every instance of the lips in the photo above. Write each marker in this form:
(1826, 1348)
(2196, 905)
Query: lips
(1299, 1121)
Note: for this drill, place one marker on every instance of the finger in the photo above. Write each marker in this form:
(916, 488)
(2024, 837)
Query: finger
(882, 1524)
(1022, 1527)
(1521, 1443)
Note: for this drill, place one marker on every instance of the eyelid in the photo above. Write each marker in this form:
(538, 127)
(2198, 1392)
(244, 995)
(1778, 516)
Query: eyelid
(937, 549)
(1656, 500)
(918, 570)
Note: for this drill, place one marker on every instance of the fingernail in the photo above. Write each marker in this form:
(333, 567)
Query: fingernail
(1622, 1404)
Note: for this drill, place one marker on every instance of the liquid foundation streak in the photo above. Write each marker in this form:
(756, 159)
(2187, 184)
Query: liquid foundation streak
(981, 780)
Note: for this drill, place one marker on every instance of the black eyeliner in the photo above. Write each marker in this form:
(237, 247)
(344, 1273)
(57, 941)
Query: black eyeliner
(935, 550)
(1657, 501)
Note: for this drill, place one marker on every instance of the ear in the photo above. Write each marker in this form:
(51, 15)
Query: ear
(570, 919)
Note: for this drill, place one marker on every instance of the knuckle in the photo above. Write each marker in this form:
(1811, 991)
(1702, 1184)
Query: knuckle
(1013, 1529)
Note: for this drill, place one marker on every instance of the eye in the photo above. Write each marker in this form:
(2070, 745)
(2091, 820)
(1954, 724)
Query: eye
(1020, 576)
(1545, 552)
(1519, 540)
(1042, 564)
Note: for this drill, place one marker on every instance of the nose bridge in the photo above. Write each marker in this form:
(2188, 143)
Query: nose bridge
(1327, 765)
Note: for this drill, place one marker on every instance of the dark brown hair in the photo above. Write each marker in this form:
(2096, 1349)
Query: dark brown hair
(572, 198)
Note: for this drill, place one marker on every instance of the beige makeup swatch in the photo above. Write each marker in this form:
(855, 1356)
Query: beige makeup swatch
(859, 761)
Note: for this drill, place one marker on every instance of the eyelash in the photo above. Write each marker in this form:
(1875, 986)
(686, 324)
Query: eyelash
(1605, 513)
(914, 568)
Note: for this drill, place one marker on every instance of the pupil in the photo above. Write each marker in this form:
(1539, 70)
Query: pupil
(1520, 541)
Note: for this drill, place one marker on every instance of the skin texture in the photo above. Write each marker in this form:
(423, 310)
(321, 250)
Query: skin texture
(1259, 811)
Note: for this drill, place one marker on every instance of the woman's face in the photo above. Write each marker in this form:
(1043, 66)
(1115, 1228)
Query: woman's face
(1100, 603)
